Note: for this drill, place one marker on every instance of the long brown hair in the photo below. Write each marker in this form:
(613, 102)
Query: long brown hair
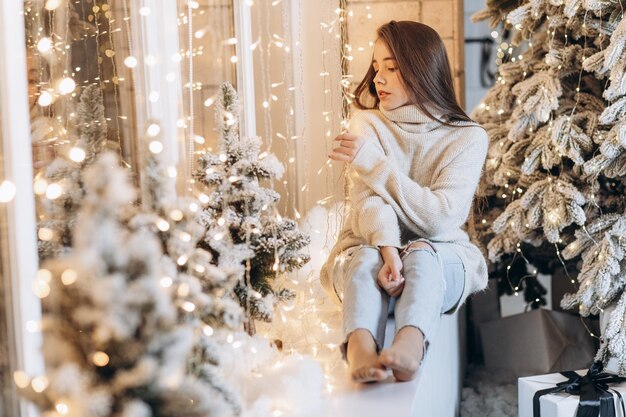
(424, 70)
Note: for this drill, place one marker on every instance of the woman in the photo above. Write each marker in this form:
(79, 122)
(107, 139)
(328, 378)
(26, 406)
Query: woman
(415, 160)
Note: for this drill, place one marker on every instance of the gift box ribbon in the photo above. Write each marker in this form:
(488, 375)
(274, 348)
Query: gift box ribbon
(593, 389)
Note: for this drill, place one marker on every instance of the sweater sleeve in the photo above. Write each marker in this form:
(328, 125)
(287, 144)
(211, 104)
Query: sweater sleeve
(435, 209)
(372, 218)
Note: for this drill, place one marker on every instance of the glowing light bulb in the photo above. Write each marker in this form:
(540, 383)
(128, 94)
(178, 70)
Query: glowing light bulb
(33, 326)
(155, 147)
(62, 408)
(100, 359)
(45, 234)
(166, 282)
(188, 306)
(44, 45)
(45, 99)
(183, 290)
(53, 4)
(153, 130)
(40, 186)
(67, 85)
(163, 225)
(208, 330)
(130, 62)
(21, 378)
(53, 191)
(176, 215)
(7, 191)
(39, 383)
(68, 277)
(41, 288)
(77, 154)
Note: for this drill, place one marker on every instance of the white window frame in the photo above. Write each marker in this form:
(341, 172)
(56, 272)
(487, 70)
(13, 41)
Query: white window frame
(21, 226)
(245, 67)
(155, 34)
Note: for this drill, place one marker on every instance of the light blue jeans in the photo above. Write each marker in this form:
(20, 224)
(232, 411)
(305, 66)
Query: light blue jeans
(434, 283)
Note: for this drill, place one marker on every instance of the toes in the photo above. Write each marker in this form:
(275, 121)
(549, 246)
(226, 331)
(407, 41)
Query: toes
(368, 374)
(387, 358)
(403, 368)
(404, 377)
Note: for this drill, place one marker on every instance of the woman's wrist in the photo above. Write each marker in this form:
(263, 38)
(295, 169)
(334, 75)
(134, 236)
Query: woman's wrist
(389, 251)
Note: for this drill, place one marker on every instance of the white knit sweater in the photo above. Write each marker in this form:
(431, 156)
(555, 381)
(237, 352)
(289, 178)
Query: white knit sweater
(413, 177)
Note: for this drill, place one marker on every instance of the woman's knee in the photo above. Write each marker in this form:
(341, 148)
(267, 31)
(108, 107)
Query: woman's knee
(420, 245)
(418, 248)
(365, 263)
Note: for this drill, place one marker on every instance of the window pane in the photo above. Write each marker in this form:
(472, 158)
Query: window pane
(84, 98)
(70, 48)
(209, 35)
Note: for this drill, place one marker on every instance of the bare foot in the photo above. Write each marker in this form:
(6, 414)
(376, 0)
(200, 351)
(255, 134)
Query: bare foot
(405, 354)
(363, 359)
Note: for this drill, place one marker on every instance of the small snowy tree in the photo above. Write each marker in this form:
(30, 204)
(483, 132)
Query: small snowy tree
(59, 187)
(241, 213)
(113, 341)
(203, 292)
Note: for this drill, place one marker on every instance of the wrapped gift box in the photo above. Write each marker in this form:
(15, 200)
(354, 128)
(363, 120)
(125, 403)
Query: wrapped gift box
(561, 404)
(536, 342)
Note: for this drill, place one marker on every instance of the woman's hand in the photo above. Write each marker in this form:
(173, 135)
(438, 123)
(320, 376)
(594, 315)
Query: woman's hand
(347, 148)
(390, 278)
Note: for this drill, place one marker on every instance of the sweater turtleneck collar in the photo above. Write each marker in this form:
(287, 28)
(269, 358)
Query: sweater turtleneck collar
(411, 119)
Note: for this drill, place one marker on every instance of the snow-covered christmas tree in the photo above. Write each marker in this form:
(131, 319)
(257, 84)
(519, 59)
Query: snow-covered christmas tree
(203, 292)
(239, 213)
(58, 187)
(114, 343)
(555, 173)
